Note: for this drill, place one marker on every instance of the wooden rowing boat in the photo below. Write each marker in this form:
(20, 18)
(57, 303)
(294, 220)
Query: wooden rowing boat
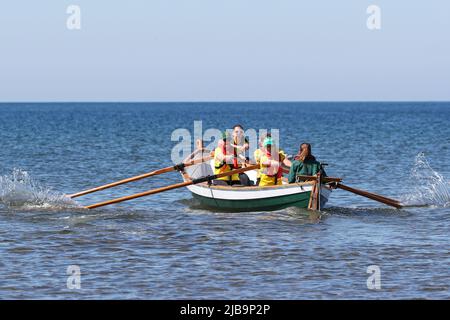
(198, 175)
(240, 198)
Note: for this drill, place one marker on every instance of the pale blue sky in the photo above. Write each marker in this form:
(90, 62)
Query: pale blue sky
(224, 50)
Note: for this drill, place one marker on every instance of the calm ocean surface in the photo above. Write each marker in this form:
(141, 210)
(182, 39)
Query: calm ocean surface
(168, 247)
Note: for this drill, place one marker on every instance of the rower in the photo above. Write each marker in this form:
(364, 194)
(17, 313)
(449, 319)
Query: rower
(199, 153)
(223, 162)
(201, 169)
(240, 145)
(271, 171)
(258, 153)
(240, 142)
(304, 164)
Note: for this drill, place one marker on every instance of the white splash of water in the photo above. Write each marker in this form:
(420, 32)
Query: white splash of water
(20, 190)
(429, 186)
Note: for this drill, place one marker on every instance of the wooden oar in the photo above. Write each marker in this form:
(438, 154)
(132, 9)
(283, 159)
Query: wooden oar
(373, 196)
(323, 179)
(314, 198)
(177, 167)
(173, 186)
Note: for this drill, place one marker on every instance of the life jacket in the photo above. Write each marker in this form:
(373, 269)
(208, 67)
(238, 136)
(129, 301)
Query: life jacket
(220, 166)
(257, 155)
(236, 164)
(270, 175)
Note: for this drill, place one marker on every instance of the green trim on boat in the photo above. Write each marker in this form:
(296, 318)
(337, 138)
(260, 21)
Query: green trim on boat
(300, 200)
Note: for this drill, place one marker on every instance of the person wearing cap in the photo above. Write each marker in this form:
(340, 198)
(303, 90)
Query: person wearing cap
(223, 162)
(271, 172)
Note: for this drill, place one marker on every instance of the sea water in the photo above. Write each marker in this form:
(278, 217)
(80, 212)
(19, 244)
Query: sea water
(167, 246)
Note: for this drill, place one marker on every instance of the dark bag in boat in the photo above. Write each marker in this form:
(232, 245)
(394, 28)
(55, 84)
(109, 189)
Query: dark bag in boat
(245, 180)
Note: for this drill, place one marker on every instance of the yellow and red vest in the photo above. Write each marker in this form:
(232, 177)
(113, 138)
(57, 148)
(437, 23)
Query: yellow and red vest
(272, 174)
(220, 166)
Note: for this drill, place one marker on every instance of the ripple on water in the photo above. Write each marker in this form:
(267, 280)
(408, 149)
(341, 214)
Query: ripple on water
(166, 248)
(20, 250)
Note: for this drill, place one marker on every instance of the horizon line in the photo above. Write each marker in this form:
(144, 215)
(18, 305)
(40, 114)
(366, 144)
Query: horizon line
(225, 101)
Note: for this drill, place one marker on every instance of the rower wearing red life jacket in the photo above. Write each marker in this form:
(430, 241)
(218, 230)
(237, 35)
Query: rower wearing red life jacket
(223, 162)
(240, 146)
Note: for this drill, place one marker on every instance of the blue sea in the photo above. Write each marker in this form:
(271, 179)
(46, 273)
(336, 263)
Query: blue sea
(167, 246)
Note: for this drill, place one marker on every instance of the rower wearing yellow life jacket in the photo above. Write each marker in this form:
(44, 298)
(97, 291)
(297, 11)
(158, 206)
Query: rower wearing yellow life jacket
(271, 172)
(223, 162)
